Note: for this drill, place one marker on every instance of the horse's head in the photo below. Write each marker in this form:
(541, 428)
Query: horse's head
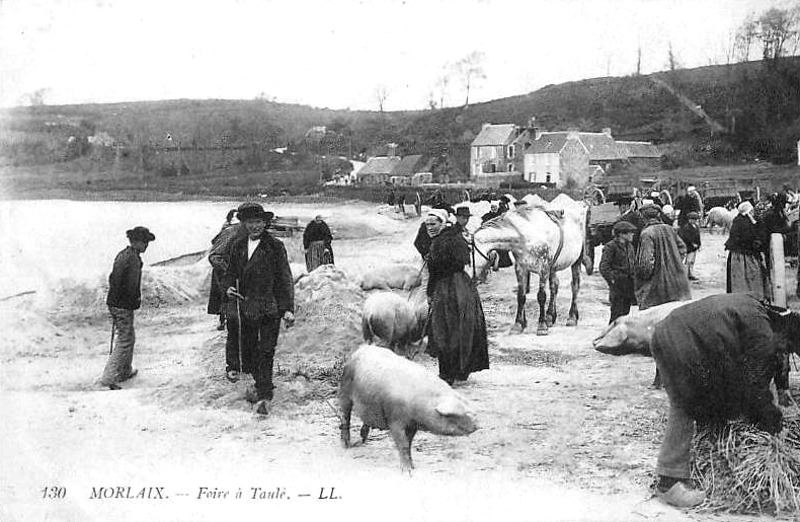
(494, 235)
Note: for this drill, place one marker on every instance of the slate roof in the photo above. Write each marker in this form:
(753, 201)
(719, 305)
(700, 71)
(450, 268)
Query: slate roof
(601, 146)
(408, 166)
(379, 165)
(639, 149)
(548, 142)
(494, 135)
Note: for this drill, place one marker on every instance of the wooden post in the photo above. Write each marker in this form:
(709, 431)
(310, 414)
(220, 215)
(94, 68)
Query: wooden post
(778, 274)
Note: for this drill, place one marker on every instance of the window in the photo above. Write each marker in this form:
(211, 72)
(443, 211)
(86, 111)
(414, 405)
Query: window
(510, 152)
(493, 168)
(510, 167)
(547, 178)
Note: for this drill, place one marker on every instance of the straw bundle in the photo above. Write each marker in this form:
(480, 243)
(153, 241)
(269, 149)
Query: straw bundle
(746, 470)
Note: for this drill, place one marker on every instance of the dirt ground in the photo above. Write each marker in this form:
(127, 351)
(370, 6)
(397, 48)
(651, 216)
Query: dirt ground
(566, 433)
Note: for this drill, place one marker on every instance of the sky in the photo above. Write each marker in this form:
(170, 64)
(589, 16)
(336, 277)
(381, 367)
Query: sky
(340, 53)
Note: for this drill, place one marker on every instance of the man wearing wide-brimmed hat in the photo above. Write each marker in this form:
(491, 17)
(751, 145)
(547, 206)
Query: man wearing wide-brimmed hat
(125, 296)
(260, 286)
(462, 218)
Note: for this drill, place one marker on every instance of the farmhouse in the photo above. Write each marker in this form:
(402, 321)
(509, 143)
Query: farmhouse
(377, 170)
(503, 153)
(412, 170)
(492, 154)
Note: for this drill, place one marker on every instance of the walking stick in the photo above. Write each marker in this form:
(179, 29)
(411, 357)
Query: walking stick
(111, 343)
(239, 325)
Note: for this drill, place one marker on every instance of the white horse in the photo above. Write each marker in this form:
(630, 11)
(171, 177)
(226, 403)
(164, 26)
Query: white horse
(543, 241)
(722, 217)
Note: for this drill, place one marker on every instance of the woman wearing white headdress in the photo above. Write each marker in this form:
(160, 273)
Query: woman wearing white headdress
(746, 270)
(457, 330)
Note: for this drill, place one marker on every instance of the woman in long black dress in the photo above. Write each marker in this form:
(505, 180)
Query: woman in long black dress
(457, 333)
(746, 270)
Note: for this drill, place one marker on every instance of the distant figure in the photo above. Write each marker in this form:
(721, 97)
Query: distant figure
(401, 203)
(617, 266)
(462, 218)
(317, 240)
(125, 296)
(503, 205)
(690, 235)
(390, 198)
(692, 202)
(494, 211)
(437, 200)
(216, 297)
(746, 270)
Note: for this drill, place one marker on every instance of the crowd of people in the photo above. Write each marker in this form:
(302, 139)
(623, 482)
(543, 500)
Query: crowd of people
(716, 356)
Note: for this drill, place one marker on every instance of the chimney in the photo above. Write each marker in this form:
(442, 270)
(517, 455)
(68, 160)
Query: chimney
(607, 131)
(572, 133)
(533, 129)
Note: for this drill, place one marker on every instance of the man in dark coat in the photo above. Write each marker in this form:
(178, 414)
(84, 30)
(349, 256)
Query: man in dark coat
(125, 296)
(494, 211)
(316, 230)
(660, 276)
(218, 257)
(259, 281)
(692, 202)
(690, 235)
(616, 267)
(716, 357)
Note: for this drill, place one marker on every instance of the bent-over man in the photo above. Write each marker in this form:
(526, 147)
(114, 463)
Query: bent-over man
(716, 357)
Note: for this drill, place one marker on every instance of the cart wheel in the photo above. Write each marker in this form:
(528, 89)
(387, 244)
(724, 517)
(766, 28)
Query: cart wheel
(594, 195)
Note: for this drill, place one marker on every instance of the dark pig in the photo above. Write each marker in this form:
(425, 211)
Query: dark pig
(390, 392)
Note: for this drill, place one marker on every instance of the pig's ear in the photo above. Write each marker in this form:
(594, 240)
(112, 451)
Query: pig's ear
(451, 406)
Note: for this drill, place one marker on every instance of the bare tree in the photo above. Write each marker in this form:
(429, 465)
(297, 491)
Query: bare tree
(381, 94)
(37, 97)
(470, 69)
(441, 84)
(776, 27)
(673, 63)
(639, 60)
(745, 36)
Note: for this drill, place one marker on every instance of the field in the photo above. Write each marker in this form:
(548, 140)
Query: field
(566, 433)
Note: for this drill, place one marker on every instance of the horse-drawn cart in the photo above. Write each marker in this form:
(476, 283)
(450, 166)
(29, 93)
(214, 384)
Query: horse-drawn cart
(600, 220)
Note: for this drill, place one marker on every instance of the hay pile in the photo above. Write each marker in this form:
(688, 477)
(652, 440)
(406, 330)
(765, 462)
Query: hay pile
(327, 325)
(161, 286)
(745, 470)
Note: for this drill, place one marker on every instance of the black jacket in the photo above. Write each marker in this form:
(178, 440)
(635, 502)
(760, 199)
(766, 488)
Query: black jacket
(616, 267)
(125, 281)
(717, 357)
(317, 232)
(691, 236)
(265, 279)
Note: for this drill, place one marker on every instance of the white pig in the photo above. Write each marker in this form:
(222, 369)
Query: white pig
(632, 333)
(390, 392)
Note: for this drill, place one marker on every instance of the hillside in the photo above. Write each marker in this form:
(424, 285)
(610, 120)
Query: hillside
(706, 115)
